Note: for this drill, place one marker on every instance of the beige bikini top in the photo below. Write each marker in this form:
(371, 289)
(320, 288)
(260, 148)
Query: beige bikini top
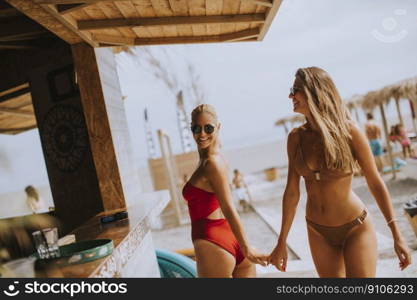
(322, 173)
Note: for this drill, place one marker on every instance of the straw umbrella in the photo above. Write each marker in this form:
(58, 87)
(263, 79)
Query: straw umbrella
(408, 89)
(396, 94)
(379, 99)
(352, 104)
(292, 119)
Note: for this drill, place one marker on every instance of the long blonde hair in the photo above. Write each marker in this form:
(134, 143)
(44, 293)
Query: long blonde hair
(330, 115)
(203, 108)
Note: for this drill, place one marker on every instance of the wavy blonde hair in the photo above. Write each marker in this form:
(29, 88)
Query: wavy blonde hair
(203, 108)
(330, 115)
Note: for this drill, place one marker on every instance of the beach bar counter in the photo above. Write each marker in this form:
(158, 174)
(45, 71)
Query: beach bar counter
(59, 74)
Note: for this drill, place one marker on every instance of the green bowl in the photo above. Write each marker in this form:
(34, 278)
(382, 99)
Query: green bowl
(82, 252)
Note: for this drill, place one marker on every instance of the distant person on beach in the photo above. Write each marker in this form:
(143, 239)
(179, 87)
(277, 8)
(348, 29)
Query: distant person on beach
(324, 151)
(240, 190)
(373, 133)
(220, 243)
(33, 200)
(404, 140)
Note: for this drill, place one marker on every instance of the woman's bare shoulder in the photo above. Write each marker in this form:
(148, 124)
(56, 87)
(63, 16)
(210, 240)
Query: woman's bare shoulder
(294, 134)
(214, 163)
(354, 129)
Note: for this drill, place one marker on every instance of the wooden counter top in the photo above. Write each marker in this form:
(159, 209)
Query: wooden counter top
(126, 234)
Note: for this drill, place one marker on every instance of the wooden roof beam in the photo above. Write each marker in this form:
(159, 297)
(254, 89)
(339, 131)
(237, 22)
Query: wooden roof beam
(230, 37)
(9, 12)
(74, 1)
(267, 3)
(52, 10)
(270, 15)
(41, 16)
(69, 8)
(16, 130)
(19, 27)
(16, 112)
(167, 21)
(15, 47)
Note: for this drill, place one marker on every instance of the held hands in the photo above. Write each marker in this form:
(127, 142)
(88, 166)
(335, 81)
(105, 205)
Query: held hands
(255, 257)
(403, 253)
(279, 256)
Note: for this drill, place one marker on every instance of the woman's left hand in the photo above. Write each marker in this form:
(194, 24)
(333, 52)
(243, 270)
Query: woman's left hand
(403, 253)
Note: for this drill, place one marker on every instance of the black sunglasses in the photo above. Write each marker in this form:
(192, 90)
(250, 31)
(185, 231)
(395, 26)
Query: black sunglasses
(294, 90)
(197, 129)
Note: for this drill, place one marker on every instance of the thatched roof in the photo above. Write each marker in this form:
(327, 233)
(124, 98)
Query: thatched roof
(290, 119)
(354, 101)
(406, 89)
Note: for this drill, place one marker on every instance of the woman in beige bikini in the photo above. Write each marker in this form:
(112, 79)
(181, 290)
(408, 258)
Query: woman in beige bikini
(324, 150)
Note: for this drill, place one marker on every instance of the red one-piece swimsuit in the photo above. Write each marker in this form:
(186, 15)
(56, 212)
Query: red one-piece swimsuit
(201, 204)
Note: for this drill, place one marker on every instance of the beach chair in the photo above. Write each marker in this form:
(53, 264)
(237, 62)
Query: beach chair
(410, 209)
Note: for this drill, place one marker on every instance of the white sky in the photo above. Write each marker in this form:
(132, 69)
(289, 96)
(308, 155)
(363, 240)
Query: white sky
(248, 83)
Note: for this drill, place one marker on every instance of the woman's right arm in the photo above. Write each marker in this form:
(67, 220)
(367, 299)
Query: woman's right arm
(290, 200)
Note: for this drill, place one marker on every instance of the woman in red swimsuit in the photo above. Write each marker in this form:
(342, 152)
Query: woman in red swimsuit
(220, 244)
(324, 151)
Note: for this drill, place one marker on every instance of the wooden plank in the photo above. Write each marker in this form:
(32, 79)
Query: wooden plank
(213, 7)
(38, 14)
(259, 9)
(69, 23)
(97, 117)
(72, 1)
(270, 15)
(180, 8)
(267, 3)
(9, 12)
(95, 12)
(230, 37)
(145, 9)
(163, 9)
(111, 12)
(24, 101)
(128, 10)
(11, 46)
(14, 89)
(12, 95)
(113, 40)
(397, 106)
(19, 28)
(387, 140)
(230, 7)
(196, 20)
(198, 8)
(16, 130)
(240, 35)
(16, 112)
(69, 8)
(246, 7)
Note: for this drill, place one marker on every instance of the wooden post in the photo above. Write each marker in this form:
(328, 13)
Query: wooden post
(385, 126)
(285, 128)
(171, 172)
(397, 105)
(413, 107)
(357, 116)
(84, 135)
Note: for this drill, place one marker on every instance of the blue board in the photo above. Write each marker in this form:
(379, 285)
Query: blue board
(174, 265)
